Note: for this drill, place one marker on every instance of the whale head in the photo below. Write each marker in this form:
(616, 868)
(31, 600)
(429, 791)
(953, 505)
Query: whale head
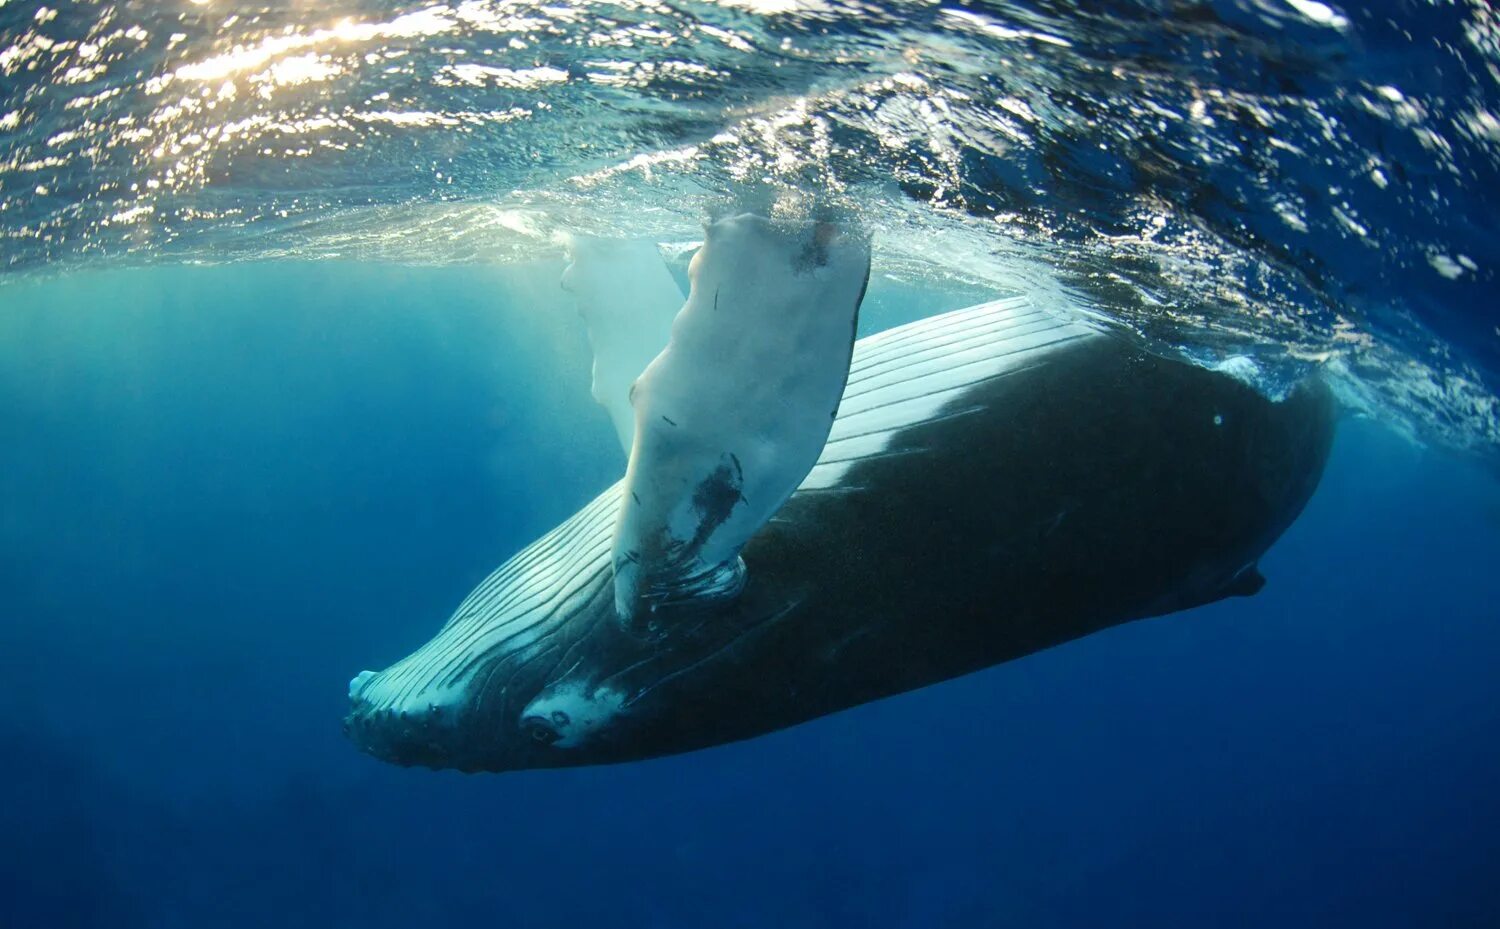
(468, 699)
(463, 702)
(536, 668)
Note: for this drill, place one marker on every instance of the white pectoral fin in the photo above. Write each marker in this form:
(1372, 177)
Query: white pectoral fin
(627, 299)
(730, 417)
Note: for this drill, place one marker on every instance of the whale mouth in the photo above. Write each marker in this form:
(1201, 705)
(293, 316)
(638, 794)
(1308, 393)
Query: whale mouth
(429, 735)
(400, 738)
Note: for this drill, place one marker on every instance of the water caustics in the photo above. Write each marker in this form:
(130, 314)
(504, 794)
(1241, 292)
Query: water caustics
(1271, 184)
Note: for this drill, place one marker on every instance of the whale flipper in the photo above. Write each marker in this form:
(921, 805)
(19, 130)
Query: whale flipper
(735, 410)
(627, 299)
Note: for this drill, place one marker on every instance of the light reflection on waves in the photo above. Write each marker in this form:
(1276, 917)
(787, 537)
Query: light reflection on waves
(1282, 179)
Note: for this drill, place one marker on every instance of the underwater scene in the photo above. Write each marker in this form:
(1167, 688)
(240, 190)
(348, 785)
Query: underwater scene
(796, 463)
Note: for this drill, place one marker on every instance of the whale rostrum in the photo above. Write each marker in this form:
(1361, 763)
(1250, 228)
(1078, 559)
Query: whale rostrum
(808, 523)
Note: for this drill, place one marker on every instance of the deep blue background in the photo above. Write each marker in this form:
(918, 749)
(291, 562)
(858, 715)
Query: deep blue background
(224, 491)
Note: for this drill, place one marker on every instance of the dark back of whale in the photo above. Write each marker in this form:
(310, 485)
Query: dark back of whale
(1104, 486)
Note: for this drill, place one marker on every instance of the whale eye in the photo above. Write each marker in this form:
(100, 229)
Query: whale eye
(540, 729)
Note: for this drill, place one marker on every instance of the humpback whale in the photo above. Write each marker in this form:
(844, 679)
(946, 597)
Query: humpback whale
(808, 523)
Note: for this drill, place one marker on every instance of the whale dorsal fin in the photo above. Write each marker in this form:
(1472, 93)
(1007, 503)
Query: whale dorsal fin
(733, 413)
(627, 299)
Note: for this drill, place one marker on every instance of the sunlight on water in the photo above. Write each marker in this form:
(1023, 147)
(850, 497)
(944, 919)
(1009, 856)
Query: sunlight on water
(1287, 180)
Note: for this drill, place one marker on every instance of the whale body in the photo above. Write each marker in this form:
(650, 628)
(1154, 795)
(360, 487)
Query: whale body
(997, 481)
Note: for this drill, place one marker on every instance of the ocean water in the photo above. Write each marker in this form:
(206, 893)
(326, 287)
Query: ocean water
(285, 371)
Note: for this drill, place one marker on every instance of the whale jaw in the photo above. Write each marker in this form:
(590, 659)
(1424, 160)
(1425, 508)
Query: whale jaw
(430, 737)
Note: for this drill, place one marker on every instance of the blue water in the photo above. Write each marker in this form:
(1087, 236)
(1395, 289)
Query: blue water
(285, 371)
(225, 488)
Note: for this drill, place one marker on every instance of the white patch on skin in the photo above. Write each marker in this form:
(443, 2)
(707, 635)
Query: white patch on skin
(574, 714)
(357, 683)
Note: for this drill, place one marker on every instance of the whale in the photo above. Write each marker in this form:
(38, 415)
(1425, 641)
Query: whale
(933, 500)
